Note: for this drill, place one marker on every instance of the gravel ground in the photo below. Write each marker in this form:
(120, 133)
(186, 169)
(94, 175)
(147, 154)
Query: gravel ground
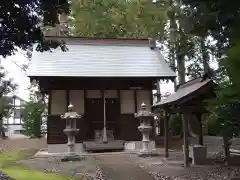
(10, 145)
(85, 168)
(157, 167)
(120, 167)
(221, 173)
(89, 168)
(5, 177)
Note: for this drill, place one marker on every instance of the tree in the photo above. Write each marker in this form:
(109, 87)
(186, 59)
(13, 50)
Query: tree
(6, 87)
(21, 21)
(225, 107)
(219, 20)
(215, 18)
(34, 112)
(130, 19)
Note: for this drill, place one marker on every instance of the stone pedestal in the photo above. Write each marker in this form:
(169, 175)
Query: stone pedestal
(198, 154)
(71, 130)
(145, 130)
(145, 116)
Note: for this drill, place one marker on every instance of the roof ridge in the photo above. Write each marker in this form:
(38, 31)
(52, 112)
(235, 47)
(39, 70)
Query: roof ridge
(189, 83)
(100, 41)
(97, 38)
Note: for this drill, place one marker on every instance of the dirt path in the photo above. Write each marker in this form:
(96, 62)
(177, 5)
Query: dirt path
(119, 167)
(8, 145)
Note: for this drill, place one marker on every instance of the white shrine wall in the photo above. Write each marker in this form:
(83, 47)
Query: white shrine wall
(58, 102)
(130, 100)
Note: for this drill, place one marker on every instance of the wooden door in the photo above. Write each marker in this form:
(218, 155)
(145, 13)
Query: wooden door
(112, 112)
(94, 115)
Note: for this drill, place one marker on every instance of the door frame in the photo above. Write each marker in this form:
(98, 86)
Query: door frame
(103, 95)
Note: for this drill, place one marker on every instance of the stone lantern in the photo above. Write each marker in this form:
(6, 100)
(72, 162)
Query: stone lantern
(146, 117)
(71, 130)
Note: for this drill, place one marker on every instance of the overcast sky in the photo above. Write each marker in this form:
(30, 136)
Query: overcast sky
(13, 64)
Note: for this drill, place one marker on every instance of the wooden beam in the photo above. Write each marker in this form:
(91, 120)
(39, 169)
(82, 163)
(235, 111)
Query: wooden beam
(166, 136)
(185, 140)
(93, 83)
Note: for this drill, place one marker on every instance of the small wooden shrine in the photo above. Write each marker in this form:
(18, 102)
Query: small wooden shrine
(190, 98)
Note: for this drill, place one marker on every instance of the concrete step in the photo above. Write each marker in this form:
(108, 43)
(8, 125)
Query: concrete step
(114, 145)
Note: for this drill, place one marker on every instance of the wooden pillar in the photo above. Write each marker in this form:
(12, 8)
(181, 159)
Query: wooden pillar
(166, 136)
(85, 100)
(158, 91)
(135, 101)
(185, 140)
(161, 124)
(49, 102)
(67, 100)
(105, 140)
(200, 130)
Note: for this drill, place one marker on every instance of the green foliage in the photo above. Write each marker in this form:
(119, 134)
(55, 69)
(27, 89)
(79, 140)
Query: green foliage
(20, 23)
(33, 113)
(213, 127)
(6, 87)
(225, 107)
(131, 19)
(175, 124)
(215, 18)
(32, 119)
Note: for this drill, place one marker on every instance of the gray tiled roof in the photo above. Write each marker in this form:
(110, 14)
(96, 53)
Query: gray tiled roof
(101, 60)
(184, 90)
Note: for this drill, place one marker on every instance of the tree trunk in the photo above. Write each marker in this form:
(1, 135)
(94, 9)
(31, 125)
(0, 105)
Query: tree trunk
(205, 56)
(181, 69)
(2, 132)
(172, 40)
(226, 144)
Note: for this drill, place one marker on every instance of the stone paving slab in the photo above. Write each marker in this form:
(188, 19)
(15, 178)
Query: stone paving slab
(120, 167)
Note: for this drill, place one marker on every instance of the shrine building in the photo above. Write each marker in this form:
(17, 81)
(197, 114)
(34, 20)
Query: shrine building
(106, 80)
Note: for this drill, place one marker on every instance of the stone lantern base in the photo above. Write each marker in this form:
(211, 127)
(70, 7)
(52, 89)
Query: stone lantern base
(149, 153)
(72, 157)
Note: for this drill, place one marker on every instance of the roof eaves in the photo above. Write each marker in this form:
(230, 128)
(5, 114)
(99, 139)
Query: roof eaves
(177, 100)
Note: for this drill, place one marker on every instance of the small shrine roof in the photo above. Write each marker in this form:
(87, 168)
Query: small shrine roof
(186, 91)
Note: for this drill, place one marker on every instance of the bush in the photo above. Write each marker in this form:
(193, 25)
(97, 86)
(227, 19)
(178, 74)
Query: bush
(175, 124)
(213, 127)
(32, 119)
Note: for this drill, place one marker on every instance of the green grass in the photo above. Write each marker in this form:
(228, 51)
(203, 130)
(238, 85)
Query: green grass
(18, 172)
(6, 158)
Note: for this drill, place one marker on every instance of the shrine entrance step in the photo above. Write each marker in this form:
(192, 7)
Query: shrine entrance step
(110, 146)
